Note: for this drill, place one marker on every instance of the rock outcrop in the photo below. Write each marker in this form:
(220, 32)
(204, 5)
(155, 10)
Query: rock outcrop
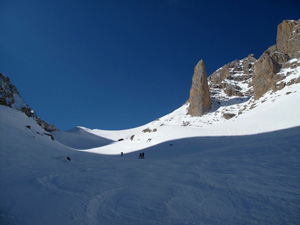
(9, 96)
(234, 78)
(234, 88)
(199, 94)
(266, 71)
(267, 68)
(288, 38)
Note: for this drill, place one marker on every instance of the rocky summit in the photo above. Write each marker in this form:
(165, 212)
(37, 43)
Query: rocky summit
(199, 94)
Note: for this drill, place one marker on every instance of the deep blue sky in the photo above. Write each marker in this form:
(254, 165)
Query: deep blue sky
(117, 64)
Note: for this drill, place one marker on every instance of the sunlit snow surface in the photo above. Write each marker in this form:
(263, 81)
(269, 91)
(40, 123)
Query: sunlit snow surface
(210, 171)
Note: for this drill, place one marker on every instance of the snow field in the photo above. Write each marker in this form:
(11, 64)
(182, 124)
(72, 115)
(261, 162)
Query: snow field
(249, 179)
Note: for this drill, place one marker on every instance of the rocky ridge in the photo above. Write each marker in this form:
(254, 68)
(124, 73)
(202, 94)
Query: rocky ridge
(9, 96)
(242, 79)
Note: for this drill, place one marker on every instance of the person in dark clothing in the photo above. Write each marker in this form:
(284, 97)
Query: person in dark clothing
(121, 153)
(140, 156)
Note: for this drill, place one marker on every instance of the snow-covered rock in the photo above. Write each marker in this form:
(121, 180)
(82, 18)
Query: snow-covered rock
(9, 96)
(233, 79)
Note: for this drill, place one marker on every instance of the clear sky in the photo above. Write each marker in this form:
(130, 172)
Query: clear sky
(117, 64)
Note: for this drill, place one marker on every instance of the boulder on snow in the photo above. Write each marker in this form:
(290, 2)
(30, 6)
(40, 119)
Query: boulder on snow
(228, 116)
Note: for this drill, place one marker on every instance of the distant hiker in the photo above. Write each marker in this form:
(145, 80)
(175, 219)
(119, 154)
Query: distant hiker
(143, 155)
(121, 153)
(140, 156)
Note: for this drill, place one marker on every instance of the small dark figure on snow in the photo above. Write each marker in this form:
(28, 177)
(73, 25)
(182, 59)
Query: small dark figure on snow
(142, 155)
(121, 153)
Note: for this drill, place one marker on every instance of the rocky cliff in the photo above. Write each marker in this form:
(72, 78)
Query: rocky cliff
(288, 38)
(267, 74)
(9, 96)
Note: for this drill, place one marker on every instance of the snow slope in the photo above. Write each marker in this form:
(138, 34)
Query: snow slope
(80, 139)
(249, 179)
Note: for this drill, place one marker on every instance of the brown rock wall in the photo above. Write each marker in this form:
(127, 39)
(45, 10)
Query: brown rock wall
(288, 38)
(272, 60)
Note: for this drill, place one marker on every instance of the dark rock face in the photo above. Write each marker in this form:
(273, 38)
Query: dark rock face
(9, 96)
(7, 91)
(199, 94)
(266, 69)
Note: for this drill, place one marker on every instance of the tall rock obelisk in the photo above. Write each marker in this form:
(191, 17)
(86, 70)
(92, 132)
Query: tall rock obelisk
(199, 94)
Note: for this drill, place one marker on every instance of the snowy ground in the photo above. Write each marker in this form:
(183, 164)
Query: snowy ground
(202, 180)
(206, 170)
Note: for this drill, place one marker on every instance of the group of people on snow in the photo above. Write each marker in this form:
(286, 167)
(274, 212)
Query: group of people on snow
(141, 156)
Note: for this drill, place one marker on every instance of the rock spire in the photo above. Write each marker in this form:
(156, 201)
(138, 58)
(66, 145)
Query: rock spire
(199, 94)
